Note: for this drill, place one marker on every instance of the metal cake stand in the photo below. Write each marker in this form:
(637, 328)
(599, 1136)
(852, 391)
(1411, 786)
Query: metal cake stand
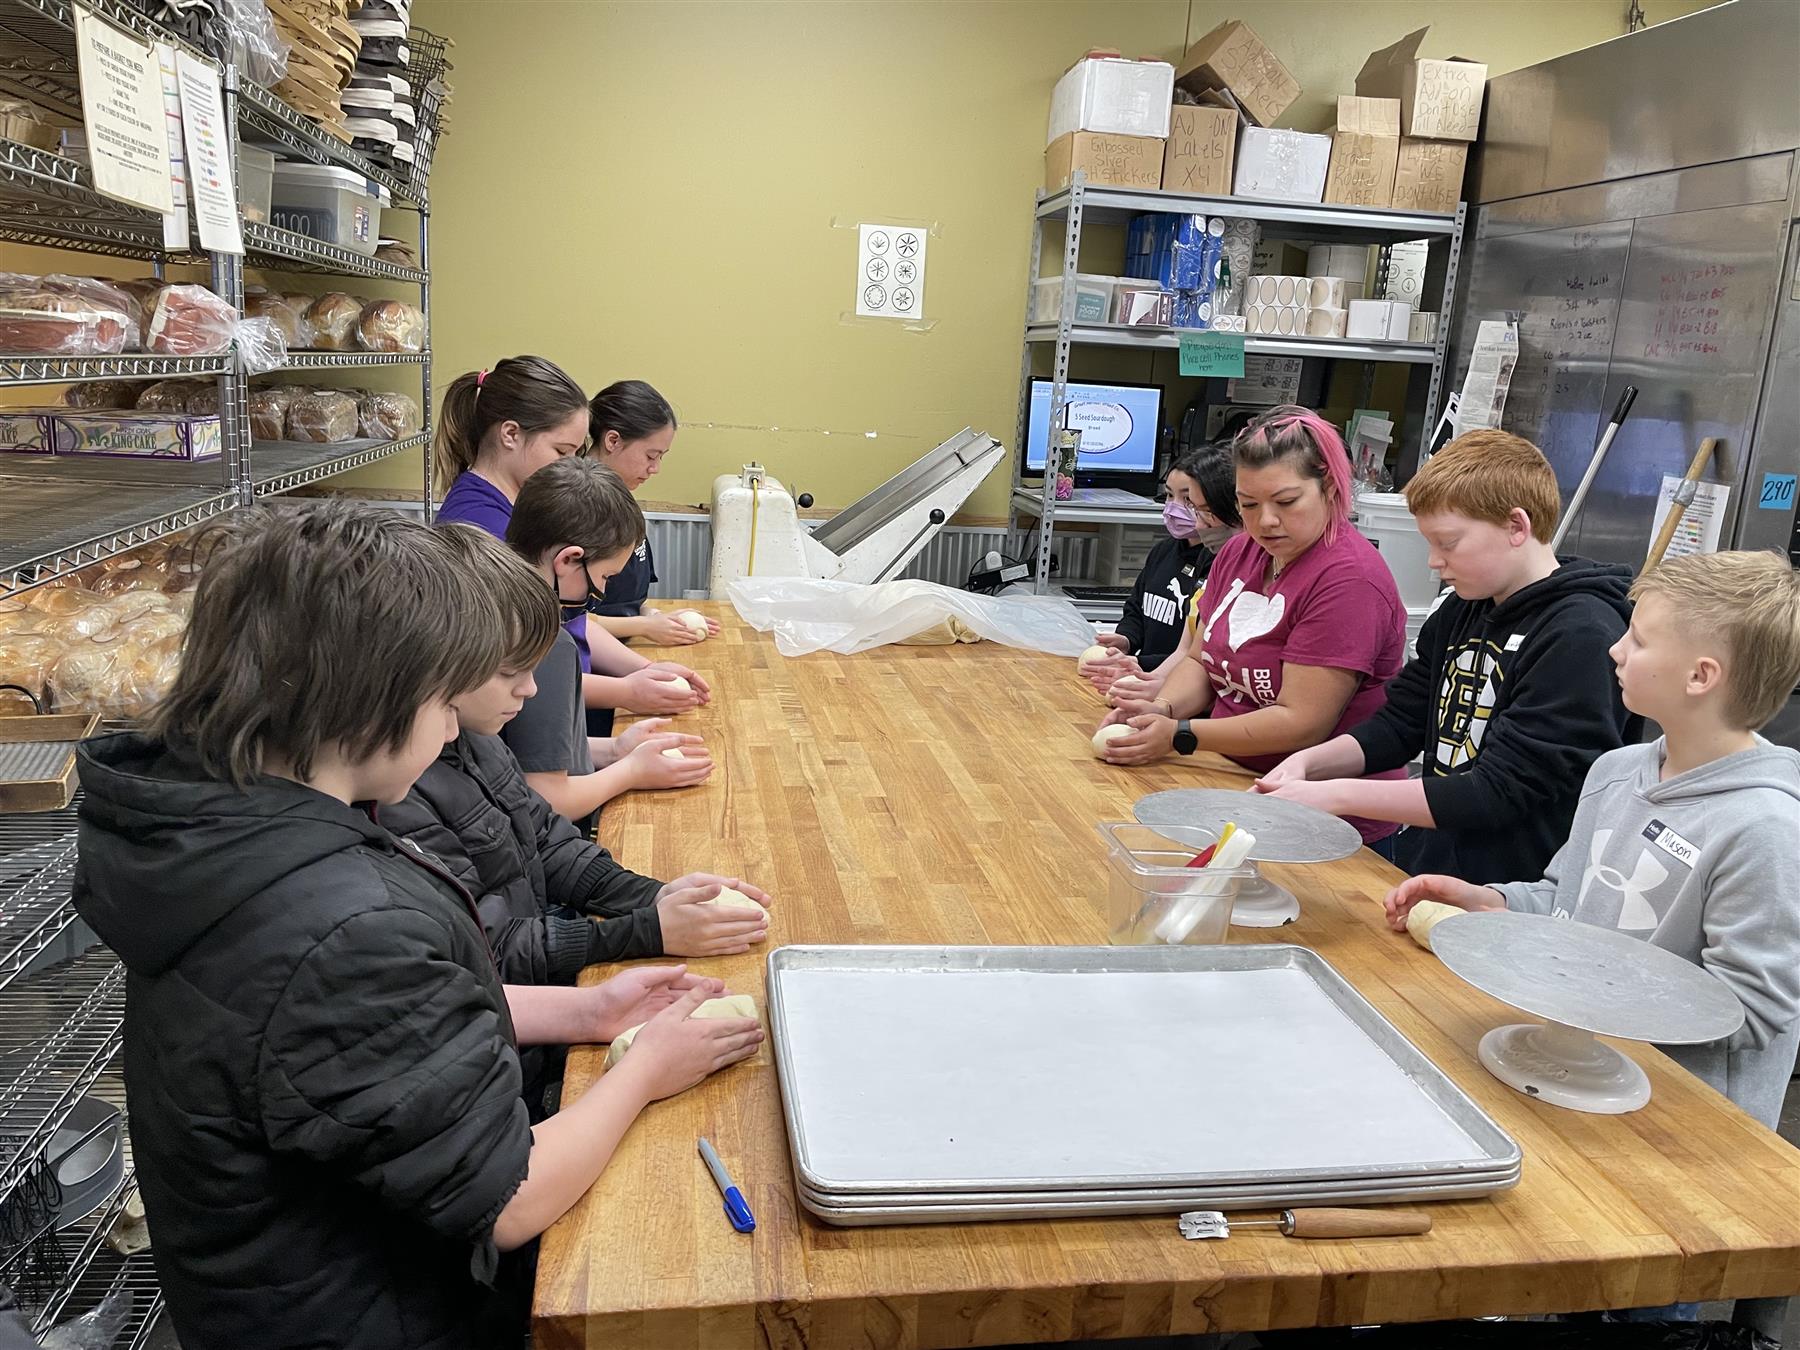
(1584, 981)
(1286, 832)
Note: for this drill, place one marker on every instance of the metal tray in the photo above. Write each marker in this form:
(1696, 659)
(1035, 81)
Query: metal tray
(982, 1070)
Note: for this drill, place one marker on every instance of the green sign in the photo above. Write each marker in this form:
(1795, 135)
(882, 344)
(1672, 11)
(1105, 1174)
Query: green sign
(1216, 355)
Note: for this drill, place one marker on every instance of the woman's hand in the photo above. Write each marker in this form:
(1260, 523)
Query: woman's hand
(1152, 736)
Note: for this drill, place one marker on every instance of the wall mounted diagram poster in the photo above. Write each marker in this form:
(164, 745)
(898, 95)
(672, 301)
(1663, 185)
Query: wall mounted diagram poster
(890, 272)
(122, 107)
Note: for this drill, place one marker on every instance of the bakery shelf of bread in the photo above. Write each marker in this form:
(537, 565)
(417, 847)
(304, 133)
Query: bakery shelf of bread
(26, 370)
(55, 523)
(340, 360)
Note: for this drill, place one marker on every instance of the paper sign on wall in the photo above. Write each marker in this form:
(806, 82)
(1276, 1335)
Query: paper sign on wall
(210, 168)
(1489, 376)
(1268, 380)
(176, 238)
(1211, 355)
(1702, 522)
(890, 272)
(122, 107)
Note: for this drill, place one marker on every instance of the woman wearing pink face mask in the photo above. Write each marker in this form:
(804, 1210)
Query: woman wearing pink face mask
(1200, 514)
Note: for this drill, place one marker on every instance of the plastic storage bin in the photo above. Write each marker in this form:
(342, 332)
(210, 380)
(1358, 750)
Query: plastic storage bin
(1155, 897)
(332, 205)
(1093, 298)
(255, 182)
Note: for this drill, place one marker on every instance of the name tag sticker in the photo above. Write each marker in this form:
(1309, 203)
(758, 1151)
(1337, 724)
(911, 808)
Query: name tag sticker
(1516, 641)
(1671, 843)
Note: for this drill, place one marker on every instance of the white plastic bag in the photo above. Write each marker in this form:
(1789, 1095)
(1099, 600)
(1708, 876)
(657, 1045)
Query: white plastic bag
(807, 615)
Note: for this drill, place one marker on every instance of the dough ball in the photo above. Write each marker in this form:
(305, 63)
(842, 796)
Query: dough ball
(732, 1005)
(732, 898)
(695, 621)
(1093, 654)
(674, 752)
(681, 684)
(1106, 735)
(1425, 916)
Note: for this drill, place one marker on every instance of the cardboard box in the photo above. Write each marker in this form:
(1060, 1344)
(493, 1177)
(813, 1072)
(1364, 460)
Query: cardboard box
(1379, 320)
(1276, 258)
(1365, 150)
(1428, 175)
(1233, 58)
(1201, 151)
(130, 435)
(1439, 100)
(1283, 166)
(1112, 95)
(26, 431)
(1109, 161)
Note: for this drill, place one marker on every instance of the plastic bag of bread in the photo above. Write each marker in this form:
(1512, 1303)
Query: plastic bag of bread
(269, 410)
(189, 321)
(391, 326)
(67, 596)
(157, 624)
(129, 574)
(303, 329)
(322, 417)
(387, 417)
(128, 608)
(100, 395)
(91, 622)
(168, 396)
(333, 318)
(397, 252)
(36, 320)
(25, 661)
(204, 401)
(86, 677)
(104, 294)
(278, 309)
(147, 675)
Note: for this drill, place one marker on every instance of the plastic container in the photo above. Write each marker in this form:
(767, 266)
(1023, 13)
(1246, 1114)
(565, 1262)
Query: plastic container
(1385, 522)
(1415, 620)
(332, 205)
(1093, 298)
(255, 181)
(1151, 882)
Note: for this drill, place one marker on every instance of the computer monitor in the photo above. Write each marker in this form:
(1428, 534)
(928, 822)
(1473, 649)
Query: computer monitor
(1120, 426)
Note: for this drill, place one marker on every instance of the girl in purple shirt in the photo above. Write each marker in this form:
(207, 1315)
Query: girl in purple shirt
(1300, 626)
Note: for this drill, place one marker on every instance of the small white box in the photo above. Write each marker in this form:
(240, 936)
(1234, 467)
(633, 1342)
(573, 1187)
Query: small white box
(1327, 322)
(1378, 320)
(1230, 323)
(1422, 327)
(1349, 261)
(1284, 166)
(1114, 96)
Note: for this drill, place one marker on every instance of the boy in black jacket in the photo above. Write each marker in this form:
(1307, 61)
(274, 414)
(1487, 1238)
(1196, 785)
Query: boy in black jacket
(1511, 697)
(319, 1052)
(551, 900)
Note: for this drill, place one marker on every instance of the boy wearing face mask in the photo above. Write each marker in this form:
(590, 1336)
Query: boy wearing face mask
(1200, 515)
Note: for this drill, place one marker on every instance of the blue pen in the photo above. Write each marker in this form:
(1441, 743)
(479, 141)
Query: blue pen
(735, 1208)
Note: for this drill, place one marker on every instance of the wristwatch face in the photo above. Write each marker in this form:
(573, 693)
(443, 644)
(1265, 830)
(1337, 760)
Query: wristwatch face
(1185, 740)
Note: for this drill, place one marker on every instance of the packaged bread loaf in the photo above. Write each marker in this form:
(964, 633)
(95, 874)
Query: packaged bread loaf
(189, 321)
(68, 596)
(25, 661)
(38, 321)
(107, 295)
(278, 309)
(387, 417)
(332, 319)
(127, 607)
(129, 574)
(269, 410)
(397, 252)
(322, 417)
(391, 326)
(168, 396)
(99, 395)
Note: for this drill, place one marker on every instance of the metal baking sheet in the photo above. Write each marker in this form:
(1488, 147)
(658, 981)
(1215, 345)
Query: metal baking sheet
(1286, 832)
(917, 1070)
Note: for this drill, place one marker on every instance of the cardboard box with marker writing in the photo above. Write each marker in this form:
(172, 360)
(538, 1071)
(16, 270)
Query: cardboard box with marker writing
(1439, 100)
(1201, 149)
(1365, 150)
(1233, 58)
(1105, 92)
(1108, 161)
(1428, 175)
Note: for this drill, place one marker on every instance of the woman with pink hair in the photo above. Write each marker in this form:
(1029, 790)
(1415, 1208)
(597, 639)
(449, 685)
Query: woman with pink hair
(1299, 626)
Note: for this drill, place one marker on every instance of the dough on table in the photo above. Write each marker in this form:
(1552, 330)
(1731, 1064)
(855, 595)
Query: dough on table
(1106, 735)
(680, 683)
(1427, 915)
(732, 898)
(1091, 655)
(694, 620)
(732, 1005)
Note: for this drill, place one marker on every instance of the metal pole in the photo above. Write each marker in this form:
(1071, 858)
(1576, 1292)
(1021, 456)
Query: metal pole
(425, 365)
(1593, 468)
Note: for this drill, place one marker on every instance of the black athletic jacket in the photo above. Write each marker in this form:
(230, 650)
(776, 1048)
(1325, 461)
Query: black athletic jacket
(1510, 705)
(325, 1106)
(1157, 606)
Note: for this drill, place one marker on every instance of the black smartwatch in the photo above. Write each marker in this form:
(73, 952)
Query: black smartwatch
(1185, 740)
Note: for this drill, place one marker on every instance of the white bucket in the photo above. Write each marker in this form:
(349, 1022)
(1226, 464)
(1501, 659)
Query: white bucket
(1415, 620)
(1385, 522)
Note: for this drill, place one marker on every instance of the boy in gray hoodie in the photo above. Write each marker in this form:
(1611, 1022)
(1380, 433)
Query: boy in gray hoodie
(1692, 842)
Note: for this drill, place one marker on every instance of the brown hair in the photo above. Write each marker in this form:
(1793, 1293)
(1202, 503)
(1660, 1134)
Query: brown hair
(579, 502)
(1487, 475)
(535, 393)
(515, 591)
(329, 624)
(1292, 432)
(1749, 603)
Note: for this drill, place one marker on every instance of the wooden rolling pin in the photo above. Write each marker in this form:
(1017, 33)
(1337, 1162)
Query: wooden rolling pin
(1684, 495)
(1312, 1223)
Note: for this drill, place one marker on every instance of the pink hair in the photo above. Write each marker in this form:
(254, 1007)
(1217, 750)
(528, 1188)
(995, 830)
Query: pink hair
(1291, 431)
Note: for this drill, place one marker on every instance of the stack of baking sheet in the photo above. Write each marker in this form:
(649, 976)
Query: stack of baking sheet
(951, 1084)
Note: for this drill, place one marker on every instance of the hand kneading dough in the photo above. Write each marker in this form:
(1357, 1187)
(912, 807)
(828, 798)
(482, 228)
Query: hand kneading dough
(1425, 916)
(1093, 654)
(732, 1005)
(732, 898)
(695, 621)
(1107, 734)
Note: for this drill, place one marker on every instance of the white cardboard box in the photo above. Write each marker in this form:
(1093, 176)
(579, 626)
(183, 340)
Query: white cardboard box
(1112, 95)
(1378, 320)
(1283, 166)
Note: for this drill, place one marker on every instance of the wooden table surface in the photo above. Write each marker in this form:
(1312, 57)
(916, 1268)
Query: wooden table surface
(948, 795)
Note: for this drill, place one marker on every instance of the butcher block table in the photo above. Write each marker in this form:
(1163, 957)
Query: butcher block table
(948, 795)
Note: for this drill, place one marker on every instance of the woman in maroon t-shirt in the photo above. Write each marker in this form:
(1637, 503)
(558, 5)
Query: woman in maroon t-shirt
(1300, 625)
